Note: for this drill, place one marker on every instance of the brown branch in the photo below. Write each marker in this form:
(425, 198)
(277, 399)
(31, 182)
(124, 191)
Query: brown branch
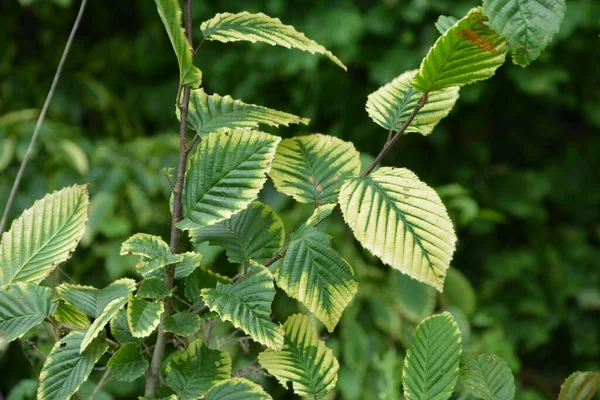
(153, 375)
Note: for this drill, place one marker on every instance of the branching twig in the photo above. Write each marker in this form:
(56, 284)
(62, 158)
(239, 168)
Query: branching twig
(153, 375)
(103, 381)
(41, 117)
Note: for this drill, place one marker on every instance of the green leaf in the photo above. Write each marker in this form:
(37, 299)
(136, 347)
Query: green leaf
(195, 370)
(104, 318)
(459, 292)
(468, 52)
(431, 366)
(254, 233)
(225, 175)
(211, 113)
(119, 328)
(316, 275)
(182, 324)
(236, 389)
(444, 23)
(143, 316)
(580, 386)
(529, 25)
(23, 306)
(487, 376)
(93, 301)
(127, 364)
(66, 368)
(415, 299)
(391, 105)
(313, 168)
(170, 15)
(402, 221)
(153, 288)
(200, 279)
(69, 315)
(228, 27)
(153, 251)
(304, 360)
(247, 304)
(44, 236)
(189, 262)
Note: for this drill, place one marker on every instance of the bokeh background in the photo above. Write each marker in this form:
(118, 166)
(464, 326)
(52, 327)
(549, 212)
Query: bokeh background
(517, 163)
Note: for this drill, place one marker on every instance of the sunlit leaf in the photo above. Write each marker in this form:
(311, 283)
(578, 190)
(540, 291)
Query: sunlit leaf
(69, 315)
(228, 27)
(236, 389)
(104, 318)
(143, 316)
(153, 251)
(44, 236)
(304, 360)
(91, 300)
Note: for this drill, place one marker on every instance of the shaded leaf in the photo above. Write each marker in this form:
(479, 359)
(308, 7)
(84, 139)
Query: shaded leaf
(69, 315)
(153, 288)
(580, 386)
(444, 23)
(487, 376)
(127, 364)
(153, 251)
(236, 389)
(104, 318)
(415, 299)
(143, 316)
(23, 306)
(182, 323)
(91, 300)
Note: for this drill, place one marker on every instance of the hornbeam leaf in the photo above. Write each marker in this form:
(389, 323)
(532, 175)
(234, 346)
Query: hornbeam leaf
(254, 233)
(225, 175)
(402, 221)
(444, 23)
(247, 304)
(119, 328)
(211, 113)
(316, 275)
(153, 251)
(313, 168)
(44, 236)
(23, 306)
(304, 360)
(431, 366)
(415, 299)
(153, 288)
(195, 370)
(69, 315)
(93, 301)
(529, 25)
(127, 364)
(487, 376)
(143, 316)
(391, 105)
(228, 27)
(170, 15)
(200, 279)
(467, 52)
(182, 323)
(104, 318)
(236, 389)
(189, 262)
(66, 368)
(580, 386)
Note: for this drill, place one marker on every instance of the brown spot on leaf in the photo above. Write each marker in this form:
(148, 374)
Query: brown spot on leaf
(129, 253)
(476, 39)
(336, 178)
(319, 188)
(311, 180)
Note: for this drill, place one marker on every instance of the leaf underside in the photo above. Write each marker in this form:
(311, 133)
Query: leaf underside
(529, 25)
(402, 221)
(228, 27)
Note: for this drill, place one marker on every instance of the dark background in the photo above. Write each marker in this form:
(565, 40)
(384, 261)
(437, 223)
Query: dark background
(517, 161)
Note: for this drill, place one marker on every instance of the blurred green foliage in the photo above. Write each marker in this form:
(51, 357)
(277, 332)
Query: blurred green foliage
(516, 163)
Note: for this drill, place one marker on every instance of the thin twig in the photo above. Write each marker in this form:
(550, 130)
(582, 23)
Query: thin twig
(199, 46)
(168, 179)
(388, 145)
(103, 381)
(41, 117)
(276, 256)
(153, 375)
